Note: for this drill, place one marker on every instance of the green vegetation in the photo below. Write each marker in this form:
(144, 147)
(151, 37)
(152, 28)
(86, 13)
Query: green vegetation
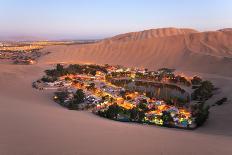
(70, 102)
(112, 111)
(60, 70)
(117, 112)
(136, 115)
(201, 113)
(79, 96)
(48, 79)
(167, 118)
(203, 92)
(142, 106)
(77, 99)
(183, 80)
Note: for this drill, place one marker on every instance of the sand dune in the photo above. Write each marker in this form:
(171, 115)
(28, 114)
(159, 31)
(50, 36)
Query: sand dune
(152, 33)
(183, 49)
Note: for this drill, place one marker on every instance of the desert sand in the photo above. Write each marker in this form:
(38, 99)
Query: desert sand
(31, 123)
(183, 49)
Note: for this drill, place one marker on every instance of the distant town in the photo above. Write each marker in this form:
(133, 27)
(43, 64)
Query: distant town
(27, 52)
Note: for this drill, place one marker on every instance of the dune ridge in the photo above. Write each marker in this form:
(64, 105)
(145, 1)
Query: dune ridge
(152, 33)
(183, 49)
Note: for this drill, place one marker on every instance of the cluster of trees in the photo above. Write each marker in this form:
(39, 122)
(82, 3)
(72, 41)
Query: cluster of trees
(177, 101)
(60, 70)
(135, 114)
(183, 80)
(201, 113)
(204, 91)
(112, 112)
(49, 79)
(78, 98)
(98, 68)
(167, 119)
(73, 103)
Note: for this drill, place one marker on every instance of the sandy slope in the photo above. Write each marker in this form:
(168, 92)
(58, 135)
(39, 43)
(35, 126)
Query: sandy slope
(32, 124)
(189, 50)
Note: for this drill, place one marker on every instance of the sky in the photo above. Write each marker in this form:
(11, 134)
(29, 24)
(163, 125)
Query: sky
(93, 19)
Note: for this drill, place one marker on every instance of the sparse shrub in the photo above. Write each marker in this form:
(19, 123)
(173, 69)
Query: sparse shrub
(221, 101)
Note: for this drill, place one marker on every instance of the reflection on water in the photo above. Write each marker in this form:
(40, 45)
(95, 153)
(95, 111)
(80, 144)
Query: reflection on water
(156, 89)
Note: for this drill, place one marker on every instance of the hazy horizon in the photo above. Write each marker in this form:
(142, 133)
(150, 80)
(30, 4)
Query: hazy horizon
(85, 19)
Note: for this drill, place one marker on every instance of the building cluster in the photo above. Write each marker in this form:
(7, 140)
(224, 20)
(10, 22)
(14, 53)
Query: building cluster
(20, 57)
(24, 52)
(101, 93)
(19, 46)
